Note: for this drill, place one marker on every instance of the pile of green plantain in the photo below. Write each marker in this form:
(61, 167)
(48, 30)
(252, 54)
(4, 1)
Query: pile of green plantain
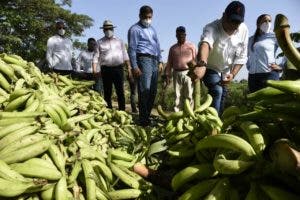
(250, 154)
(59, 141)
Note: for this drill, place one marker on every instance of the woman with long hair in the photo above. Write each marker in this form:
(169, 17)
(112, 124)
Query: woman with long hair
(262, 49)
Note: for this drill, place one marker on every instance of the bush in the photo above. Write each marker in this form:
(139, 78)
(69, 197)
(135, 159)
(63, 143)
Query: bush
(237, 92)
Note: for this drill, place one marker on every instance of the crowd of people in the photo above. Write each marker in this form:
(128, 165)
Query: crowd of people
(223, 49)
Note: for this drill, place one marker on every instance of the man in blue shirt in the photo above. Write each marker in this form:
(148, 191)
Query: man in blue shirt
(145, 57)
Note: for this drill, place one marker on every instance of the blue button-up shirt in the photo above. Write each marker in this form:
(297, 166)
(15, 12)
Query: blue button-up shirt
(263, 53)
(143, 40)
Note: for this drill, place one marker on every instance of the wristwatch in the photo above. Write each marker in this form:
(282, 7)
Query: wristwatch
(201, 63)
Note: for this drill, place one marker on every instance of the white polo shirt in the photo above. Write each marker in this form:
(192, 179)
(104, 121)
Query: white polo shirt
(59, 53)
(225, 50)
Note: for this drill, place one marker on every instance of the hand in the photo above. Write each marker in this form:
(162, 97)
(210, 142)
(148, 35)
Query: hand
(160, 67)
(137, 72)
(199, 72)
(97, 74)
(130, 76)
(275, 67)
(192, 64)
(227, 79)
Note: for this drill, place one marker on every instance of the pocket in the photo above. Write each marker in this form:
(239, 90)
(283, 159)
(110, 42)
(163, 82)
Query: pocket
(211, 78)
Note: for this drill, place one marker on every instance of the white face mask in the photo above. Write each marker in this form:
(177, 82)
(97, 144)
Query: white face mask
(109, 33)
(146, 22)
(61, 32)
(266, 27)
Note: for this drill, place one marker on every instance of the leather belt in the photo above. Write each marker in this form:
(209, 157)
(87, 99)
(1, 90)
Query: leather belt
(146, 55)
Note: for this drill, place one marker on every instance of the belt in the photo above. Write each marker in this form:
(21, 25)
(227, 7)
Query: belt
(146, 55)
(180, 70)
(112, 66)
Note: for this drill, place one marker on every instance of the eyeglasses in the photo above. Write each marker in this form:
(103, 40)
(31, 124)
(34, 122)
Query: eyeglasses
(106, 29)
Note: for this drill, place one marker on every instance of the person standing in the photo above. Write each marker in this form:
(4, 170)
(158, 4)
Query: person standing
(145, 56)
(180, 54)
(59, 51)
(262, 49)
(222, 52)
(84, 66)
(112, 56)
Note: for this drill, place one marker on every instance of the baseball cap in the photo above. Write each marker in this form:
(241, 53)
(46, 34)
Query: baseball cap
(235, 11)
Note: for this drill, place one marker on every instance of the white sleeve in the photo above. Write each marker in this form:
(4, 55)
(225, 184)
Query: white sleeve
(50, 46)
(124, 52)
(208, 35)
(78, 62)
(96, 54)
(241, 54)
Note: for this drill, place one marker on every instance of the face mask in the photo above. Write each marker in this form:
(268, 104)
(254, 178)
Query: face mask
(265, 27)
(61, 32)
(109, 33)
(146, 22)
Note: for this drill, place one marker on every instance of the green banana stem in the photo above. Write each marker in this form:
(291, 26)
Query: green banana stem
(282, 32)
(197, 93)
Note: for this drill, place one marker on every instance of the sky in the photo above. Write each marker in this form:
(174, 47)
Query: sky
(169, 14)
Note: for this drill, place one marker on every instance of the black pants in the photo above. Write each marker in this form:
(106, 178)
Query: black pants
(113, 75)
(259, 80)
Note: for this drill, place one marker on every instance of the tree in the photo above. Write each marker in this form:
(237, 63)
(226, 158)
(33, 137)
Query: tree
(26, 25)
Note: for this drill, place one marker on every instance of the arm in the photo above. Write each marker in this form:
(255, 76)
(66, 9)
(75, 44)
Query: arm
(206, 44)
(78, 62)
(95, 60)
(158, 47)
(132, 46)
(202, 58)
(241, 56)
(49, 53)
(168, 67)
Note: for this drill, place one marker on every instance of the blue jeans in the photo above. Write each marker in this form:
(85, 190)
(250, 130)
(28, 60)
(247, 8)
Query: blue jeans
(147, 87)
(258, 81)
(212, 81)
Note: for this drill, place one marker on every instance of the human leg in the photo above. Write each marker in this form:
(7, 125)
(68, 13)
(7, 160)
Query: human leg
(118, 81)
(144, 82)
(107, 85)
(212, 80)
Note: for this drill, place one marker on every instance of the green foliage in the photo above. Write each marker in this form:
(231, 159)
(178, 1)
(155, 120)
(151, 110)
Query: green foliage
(26, 25)
(237, 92)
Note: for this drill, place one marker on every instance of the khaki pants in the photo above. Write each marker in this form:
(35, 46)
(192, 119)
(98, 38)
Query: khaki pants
(183, 89)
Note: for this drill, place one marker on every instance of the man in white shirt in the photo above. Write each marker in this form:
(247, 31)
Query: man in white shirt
(84, 67)
(59, 51)
(111, 56)
(222, 52)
